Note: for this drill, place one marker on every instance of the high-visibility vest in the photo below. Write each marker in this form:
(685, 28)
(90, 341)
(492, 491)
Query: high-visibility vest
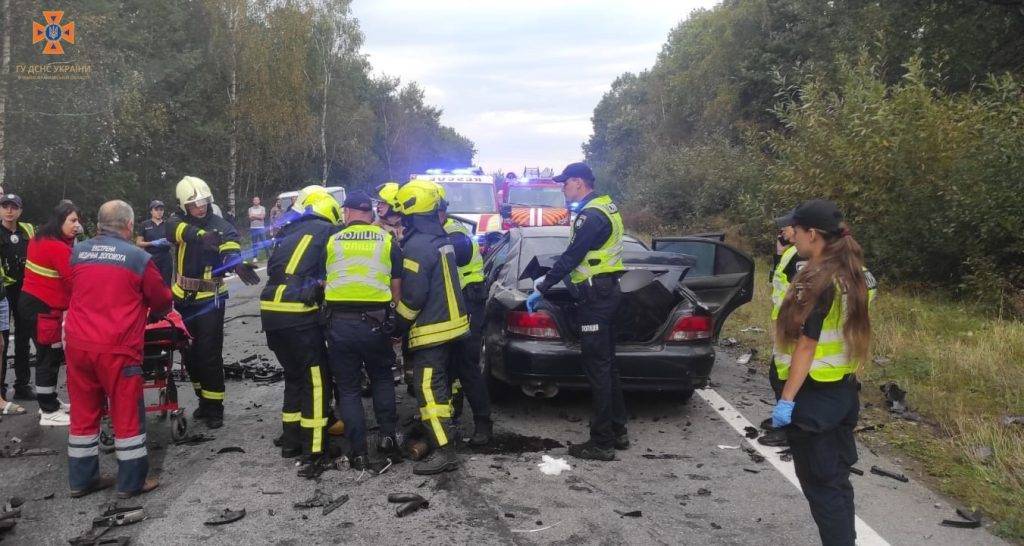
(473, 271)
(608, 257)
(780, 281)
(830, 361)
(359, 265)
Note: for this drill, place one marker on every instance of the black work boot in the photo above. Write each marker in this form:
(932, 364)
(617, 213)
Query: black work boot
(24, 392)
(213, 416)
(774, 438)
(313, 467)
(201, 411)
(279, 441)
(592, 451)
(442, 459)
(767, 424)
(622, 441)
(483, 432)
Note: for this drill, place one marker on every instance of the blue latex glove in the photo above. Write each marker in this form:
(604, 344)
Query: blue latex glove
(160, 242)
(531, 301)
(782, 415)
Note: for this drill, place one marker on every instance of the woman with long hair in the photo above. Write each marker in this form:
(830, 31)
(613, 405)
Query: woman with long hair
(44, 299)
(823, 333)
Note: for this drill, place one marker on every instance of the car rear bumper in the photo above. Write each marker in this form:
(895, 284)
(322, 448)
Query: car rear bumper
(665, 367)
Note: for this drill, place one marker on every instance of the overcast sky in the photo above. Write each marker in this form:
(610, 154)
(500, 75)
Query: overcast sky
(520, 78)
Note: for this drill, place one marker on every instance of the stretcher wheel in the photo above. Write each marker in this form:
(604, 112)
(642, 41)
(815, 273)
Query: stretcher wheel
(179, 427)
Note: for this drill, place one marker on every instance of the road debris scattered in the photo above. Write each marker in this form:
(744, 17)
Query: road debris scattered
(857, 471)
(631, 514)
(254, 367)
(194, 440)
(752, 471)
(753, 329)
(230, 449)
(664, 456)
(1010, 420)
(971, 520)
(8, 453)
(411, 502)
(720, 446)
(896, 402)
(552, 466)
(728, 342)
(334, 504)
(112, 516)
(226, 516)
(751, 432)
(319, 499)
(703, 492)
(510, 443)
(881, 360)
(889, 474)
(745, 359)
(754, 455)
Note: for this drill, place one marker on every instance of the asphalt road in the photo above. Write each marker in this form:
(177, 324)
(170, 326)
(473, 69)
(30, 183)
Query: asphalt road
(687, 487)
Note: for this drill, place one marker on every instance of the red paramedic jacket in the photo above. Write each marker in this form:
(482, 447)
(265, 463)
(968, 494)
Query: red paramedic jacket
(48, 269)
(114, 285)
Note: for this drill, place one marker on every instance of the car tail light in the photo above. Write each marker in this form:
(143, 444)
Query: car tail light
(539, 325)
(689, 328)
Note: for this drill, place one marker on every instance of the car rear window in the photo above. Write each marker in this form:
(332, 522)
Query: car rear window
(537, 197)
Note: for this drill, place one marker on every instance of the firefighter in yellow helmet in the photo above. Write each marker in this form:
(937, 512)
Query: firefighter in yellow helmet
(387, 217)
(208, 248)
(464, 368)
(432, 314)
(289, 307)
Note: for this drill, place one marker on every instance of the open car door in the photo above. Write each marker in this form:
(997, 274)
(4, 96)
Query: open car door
(723, 277)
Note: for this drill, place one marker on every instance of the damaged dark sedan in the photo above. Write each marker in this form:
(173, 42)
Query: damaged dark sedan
(676, 296)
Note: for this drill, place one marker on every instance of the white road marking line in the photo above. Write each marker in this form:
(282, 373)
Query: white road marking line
(865, 534)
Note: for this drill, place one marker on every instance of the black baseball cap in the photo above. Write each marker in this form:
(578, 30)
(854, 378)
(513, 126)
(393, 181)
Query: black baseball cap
(785, 220)
(156, 203)
(818, 214)
(11, 198)
(575, 170)
(358, 200)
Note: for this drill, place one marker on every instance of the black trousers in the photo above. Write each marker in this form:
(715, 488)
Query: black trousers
(774, 381)
(465, 363)
(352, 345)
(595, 315)
(205, 359)
(433, 391)
(49, 358)
(165, 265)
(22, 335)
(824, 449)
(306, 403)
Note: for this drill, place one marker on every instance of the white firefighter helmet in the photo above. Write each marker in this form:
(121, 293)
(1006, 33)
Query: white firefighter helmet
(193, 191)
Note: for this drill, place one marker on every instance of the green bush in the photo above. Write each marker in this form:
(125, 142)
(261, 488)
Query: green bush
(930, 181)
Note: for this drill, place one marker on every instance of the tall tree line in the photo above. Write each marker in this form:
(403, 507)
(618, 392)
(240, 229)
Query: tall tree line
(908, 113)
(254, 96)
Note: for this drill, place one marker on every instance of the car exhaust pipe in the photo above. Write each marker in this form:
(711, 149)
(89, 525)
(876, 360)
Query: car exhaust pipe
(540, 390)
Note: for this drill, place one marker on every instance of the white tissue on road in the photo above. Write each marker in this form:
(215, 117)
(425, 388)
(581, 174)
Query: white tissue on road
(552, 466)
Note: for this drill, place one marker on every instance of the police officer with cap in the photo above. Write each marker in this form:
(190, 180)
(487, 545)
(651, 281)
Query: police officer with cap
(824, 331)
(432, 314)
(364, 282)
(155, 241)
(208, 246)
(593, 263)
(14, 237)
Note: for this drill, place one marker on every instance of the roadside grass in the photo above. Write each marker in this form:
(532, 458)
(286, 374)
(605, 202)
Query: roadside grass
(964, 372)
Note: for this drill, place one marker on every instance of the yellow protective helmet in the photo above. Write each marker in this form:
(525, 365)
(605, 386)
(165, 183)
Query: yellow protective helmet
(418, 196)
(300, 200)
(193, 191)
(388, 192)
(325, 206)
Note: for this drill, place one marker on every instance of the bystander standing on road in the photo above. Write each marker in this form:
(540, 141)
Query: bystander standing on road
(258, 228)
